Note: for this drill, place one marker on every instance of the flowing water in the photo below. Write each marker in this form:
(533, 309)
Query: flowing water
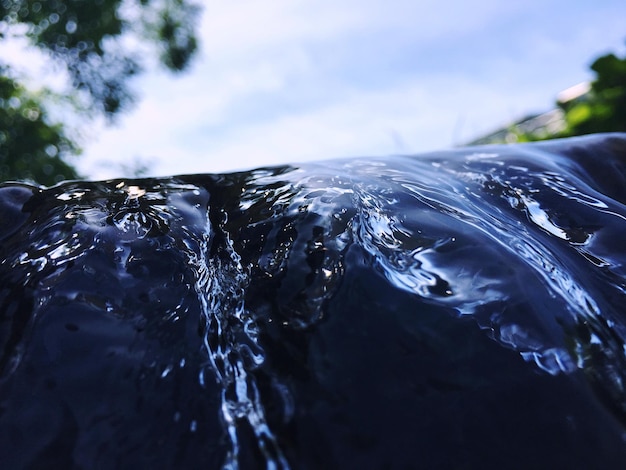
(461, 309)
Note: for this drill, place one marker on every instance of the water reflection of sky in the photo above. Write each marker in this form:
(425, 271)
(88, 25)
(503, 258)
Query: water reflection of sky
(280, 81)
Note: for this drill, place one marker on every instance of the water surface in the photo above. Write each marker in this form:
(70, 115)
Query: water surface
(460, 309)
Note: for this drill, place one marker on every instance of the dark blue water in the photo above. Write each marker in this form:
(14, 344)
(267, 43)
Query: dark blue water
(463, 309)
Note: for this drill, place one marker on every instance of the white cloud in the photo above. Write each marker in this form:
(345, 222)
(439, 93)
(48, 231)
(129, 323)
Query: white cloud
(413, 117)
(288, 80)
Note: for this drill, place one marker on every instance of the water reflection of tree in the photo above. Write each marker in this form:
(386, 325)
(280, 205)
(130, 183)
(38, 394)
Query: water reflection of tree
(89, 41)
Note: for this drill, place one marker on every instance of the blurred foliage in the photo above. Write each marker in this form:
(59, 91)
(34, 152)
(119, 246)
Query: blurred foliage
(89, 39)
(30, 147)
(601, 109)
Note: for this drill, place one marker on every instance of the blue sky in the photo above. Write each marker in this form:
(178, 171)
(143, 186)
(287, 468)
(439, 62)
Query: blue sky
(280, 81)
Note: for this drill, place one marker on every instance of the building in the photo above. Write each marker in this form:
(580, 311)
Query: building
(542, 125)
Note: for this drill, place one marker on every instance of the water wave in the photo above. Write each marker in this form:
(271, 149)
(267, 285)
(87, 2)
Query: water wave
(369, 312)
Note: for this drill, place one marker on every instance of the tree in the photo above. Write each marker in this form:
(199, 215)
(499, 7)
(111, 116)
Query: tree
(599, 106)
(30, 147)
(600, 109)
(89, 39)
(603, 109)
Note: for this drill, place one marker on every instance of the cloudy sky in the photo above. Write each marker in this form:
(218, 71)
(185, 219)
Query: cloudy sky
(280, 81)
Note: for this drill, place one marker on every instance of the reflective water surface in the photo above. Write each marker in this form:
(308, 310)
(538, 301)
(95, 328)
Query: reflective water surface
(461, 309)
